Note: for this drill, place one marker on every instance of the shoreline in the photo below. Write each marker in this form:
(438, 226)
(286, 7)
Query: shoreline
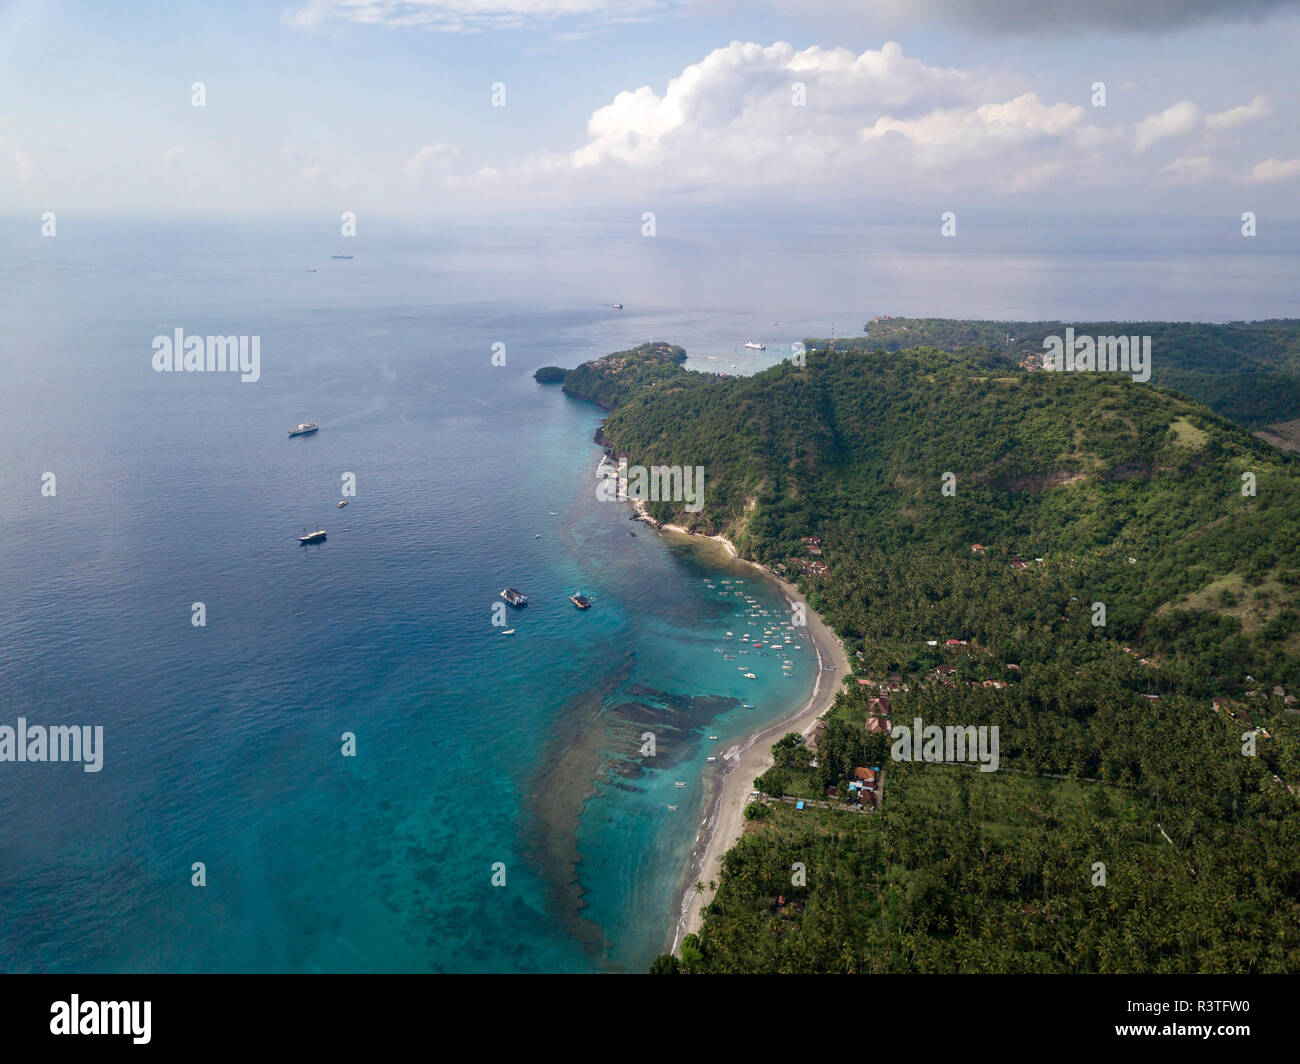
(724, 822)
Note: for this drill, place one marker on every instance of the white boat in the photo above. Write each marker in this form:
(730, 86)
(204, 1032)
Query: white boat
(342, 503)
(750, 676)
(508, 631)
(755, 347)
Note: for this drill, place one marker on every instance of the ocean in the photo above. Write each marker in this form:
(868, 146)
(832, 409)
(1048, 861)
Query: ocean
(497, 812)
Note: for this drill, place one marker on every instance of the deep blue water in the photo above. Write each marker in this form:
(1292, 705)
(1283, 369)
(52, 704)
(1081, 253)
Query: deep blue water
(223, 743)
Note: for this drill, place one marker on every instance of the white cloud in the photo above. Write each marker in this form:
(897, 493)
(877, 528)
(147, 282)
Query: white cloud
(1274, 170)
(454, 16)
(877, 123)
(1188, 168)
(1174, 121)
(1259, 107)
(432, 158)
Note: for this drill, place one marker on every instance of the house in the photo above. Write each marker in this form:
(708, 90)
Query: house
(813, 739)
(864, 775)
(955, 643)
(978, 548)
(878, 725)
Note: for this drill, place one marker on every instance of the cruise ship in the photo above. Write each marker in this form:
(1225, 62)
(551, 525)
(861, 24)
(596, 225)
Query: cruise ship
(755, 347)
(305, 429)
(514, 597)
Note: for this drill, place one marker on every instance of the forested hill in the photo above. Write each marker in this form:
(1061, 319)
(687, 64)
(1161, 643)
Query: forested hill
(1080, 491)
(1088, 470)
(1246, 371)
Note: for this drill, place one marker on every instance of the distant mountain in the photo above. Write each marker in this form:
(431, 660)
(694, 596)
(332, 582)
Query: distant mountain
(1247, 371)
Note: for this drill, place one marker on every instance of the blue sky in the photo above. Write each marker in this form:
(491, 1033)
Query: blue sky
(385, 106)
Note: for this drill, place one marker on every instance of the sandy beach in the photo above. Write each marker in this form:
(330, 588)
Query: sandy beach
(724, 821)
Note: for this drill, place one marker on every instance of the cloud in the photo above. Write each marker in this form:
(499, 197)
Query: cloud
(432, 158)
(459, 16)
(813, 123)
(1052, 17)
(1188, 168)
(1174, 121)
(1257, 108)
(1273, 170)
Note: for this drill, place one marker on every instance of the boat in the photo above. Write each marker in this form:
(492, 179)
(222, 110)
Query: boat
(514, 597)
(745, 705)
(672, 809)
(581, 601)
(313, 537)
(750, 676)
(309, 269)
(712, 736)
(304, 429)
(710, 759)
(755, 347)
(508, 631)
(340, 256)
(680, 783)
(342, 503)
(617, 306)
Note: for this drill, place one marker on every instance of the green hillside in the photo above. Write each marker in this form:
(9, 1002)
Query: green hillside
(1081, 489)
(1246, 371)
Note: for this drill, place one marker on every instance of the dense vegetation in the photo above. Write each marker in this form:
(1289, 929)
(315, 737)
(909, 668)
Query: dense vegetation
(609, 380)
(1247, 371)
(550, 375)
(1082, 489)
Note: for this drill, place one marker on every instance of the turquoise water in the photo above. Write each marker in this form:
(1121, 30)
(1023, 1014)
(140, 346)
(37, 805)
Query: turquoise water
(223, 743)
